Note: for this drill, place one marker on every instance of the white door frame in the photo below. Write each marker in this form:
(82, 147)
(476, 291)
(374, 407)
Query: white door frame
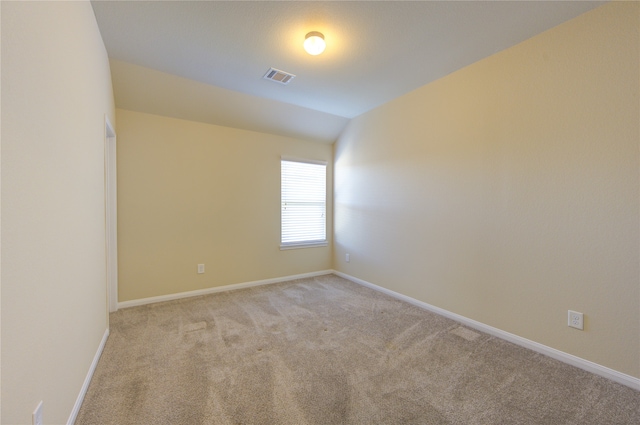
(111, 214)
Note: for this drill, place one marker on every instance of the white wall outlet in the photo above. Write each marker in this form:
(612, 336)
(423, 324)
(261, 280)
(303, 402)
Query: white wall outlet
(347, 258)
(576, 320)
(200, 268)
(37, 415)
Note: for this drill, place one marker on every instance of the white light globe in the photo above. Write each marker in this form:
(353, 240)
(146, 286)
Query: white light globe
(314, 43)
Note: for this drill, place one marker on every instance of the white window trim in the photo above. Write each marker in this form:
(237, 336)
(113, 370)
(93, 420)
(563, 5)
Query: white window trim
(296, 245)
(306, 161)
(306, 244)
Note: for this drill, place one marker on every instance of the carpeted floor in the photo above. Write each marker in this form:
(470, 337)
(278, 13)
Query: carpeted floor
(325, 350)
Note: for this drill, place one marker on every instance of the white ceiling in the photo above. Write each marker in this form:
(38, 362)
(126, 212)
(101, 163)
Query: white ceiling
(376, 51)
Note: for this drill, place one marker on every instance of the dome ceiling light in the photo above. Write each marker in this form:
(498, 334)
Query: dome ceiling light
(314, 43)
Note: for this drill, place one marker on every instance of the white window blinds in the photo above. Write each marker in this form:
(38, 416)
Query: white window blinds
(304, 206)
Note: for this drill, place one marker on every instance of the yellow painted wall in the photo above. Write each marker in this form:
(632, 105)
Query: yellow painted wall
(192, 193)
(508, 192)
(56, 90)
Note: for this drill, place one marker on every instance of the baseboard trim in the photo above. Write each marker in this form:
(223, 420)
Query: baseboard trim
(87, 379)
(215, 289)
(579, 362)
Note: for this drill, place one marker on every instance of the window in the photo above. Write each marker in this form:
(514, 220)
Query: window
(304, 204)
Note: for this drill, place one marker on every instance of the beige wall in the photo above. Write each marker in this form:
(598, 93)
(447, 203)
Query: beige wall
(55, 92)
(192, 193)
(507, 192)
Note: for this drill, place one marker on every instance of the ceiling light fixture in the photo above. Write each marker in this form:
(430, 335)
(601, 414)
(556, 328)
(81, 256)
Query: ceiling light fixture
(314, 43)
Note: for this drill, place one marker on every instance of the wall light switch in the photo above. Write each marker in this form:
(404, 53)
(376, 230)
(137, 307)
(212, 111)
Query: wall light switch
(200, 268)
(347, 258)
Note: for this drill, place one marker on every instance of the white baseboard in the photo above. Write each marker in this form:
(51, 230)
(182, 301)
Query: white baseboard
(171, 297)
(581, 363)
(87, 380)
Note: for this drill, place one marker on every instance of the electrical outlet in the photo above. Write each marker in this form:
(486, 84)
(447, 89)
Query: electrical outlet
(37, 415)
(200, 268)
(347, 258)
(576, 320)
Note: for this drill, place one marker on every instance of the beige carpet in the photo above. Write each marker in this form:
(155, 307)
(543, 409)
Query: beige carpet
(328, 351)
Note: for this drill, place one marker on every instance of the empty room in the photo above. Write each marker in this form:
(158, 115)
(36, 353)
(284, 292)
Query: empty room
(342, 212)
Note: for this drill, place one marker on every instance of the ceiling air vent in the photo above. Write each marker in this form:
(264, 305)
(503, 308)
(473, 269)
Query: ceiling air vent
(278, 76)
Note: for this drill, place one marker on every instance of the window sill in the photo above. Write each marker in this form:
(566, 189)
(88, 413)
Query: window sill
(298, 245)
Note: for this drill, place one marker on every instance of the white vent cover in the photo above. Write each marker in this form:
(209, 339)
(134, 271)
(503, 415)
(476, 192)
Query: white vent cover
(278, 76)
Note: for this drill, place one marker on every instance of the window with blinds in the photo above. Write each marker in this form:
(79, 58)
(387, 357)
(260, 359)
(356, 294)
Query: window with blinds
(304, 204)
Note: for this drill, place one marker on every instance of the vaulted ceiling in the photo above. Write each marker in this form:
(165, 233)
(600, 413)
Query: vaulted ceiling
(204, 60)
